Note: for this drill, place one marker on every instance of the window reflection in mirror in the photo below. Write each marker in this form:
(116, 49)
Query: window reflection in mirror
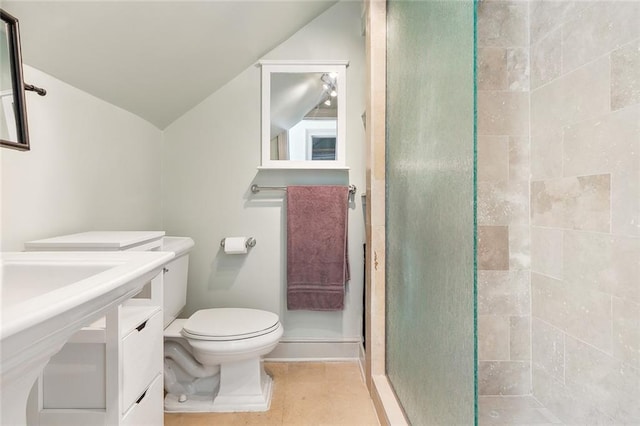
(303, 114)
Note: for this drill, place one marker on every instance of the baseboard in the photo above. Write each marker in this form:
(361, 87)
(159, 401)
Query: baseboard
(292, 350)
(362, 361)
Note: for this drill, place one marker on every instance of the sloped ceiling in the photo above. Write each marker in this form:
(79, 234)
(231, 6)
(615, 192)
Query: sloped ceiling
(156, 59)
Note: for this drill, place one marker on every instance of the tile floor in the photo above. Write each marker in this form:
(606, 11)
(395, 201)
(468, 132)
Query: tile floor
(305, 393)
(514, 411)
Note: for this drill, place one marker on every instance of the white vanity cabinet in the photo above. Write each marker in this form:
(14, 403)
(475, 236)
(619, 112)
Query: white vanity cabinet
(109, 373)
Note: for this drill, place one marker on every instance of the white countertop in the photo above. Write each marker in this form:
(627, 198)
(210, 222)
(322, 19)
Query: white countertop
(107, 240)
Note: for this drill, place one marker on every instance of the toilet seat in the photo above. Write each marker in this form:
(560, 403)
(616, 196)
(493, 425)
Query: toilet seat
(228, 324)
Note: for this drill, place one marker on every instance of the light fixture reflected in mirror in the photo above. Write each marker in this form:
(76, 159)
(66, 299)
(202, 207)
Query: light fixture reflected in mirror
(329, 85)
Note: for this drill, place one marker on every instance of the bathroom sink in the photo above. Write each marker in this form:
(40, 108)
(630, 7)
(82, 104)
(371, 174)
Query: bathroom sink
(45, 297)
(22, 281)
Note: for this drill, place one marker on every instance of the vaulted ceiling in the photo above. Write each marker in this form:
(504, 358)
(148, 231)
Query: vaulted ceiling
(156, 59)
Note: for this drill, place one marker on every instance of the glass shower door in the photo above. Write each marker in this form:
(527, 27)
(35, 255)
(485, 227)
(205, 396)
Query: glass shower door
(430, 262)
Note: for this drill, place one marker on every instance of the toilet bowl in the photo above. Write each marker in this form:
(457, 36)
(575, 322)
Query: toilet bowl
(224, 335)
(234, 339)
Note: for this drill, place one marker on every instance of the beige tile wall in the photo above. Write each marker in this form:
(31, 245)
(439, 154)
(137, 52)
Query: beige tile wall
(585, 209)
(504, 337)
(559, 206)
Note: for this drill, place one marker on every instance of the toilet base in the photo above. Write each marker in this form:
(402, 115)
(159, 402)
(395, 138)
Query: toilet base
(229, 398)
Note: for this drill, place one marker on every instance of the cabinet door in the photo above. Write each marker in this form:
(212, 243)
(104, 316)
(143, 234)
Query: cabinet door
(147, 409)
(142, 352)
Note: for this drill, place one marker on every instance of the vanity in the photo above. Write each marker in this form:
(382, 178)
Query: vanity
(51, 298)
(110, 372)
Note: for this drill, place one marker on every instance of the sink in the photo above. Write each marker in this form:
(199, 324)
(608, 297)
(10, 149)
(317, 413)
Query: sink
(46, 297)
(23, 281)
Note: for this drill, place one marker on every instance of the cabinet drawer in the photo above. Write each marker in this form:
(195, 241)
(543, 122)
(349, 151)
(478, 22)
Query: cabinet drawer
(142, 353)
(148, 408)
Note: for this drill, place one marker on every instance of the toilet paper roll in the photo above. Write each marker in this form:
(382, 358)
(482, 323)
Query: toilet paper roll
(235, 245)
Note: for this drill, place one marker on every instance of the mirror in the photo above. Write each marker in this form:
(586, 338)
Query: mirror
(303, 114)
(13, 113)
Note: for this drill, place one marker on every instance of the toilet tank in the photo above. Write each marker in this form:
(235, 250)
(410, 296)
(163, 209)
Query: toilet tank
(175, 276)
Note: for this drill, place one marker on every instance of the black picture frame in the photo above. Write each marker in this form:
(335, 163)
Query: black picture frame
(17, 83)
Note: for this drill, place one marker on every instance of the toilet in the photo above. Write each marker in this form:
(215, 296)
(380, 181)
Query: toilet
(213, 359)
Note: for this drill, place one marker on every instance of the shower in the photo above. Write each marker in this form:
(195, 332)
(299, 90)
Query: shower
(512, 238)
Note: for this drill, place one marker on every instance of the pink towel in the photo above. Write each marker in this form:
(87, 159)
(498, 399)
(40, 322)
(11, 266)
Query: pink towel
(317, 261)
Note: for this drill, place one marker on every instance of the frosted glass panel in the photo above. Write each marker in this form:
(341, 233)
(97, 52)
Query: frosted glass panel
(430, 210)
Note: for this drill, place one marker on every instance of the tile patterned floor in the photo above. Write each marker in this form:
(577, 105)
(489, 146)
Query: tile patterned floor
(304, 394)
(514, 411)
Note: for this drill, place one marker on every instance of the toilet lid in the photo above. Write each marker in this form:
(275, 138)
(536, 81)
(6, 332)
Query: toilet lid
(229, 324)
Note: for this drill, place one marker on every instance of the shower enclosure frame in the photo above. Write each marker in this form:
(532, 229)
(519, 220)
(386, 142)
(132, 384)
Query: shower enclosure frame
(386, 402)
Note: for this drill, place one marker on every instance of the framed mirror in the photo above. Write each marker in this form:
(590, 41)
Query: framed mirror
(13, 111)
(303, 114)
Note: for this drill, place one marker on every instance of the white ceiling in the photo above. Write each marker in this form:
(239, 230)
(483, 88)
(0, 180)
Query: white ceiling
(156, 59)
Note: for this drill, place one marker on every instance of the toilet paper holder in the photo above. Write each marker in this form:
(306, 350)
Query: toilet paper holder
(251, 242)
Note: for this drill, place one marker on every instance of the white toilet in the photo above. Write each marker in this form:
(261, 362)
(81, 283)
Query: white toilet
(213, 359)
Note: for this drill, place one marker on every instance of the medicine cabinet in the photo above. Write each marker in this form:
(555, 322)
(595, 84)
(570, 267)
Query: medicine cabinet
(303, 114)
(14, 132)
(13, 114)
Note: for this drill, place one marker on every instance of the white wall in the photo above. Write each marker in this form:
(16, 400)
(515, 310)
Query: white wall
(211, 155)
(91, 166)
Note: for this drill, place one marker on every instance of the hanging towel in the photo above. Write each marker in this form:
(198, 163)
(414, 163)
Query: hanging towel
(317, 260)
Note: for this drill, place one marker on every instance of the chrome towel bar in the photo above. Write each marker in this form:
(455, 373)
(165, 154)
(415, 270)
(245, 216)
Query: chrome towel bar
(255, 188)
